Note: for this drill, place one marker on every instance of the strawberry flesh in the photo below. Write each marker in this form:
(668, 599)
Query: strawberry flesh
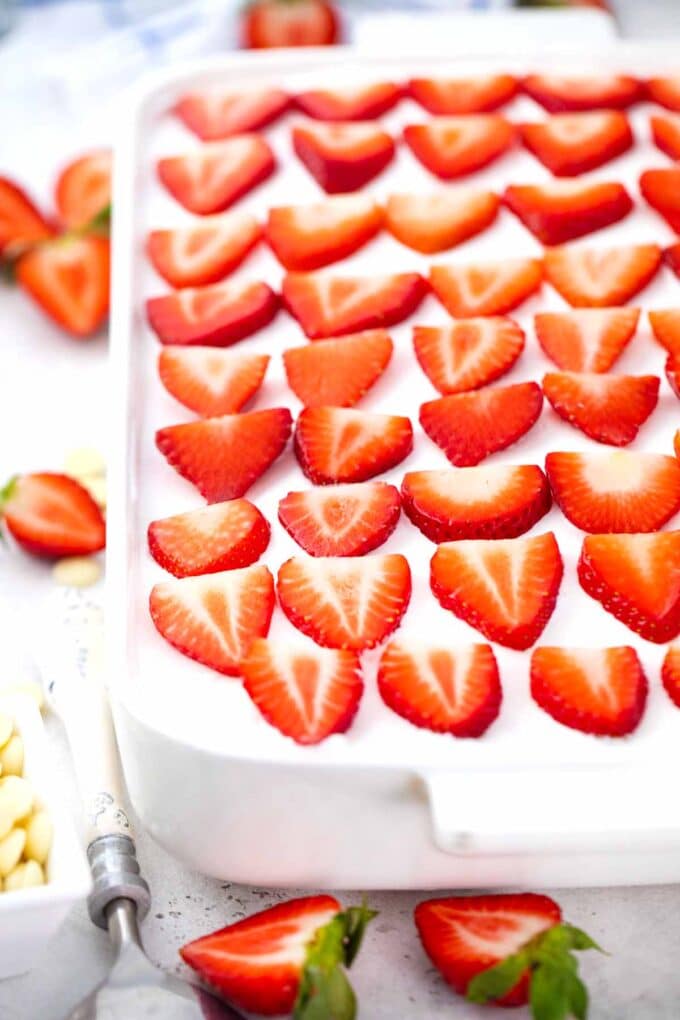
(343, 157)
(341, 520)
(335, 444)
(215, 114)
(563, 210)
(661, 189)
(69, 279)
(453, 96)
(457, 146)
(560, 93)
(218, 174)
(337, 373)
(665, 91)
(311, 236)
(207, 253)
(587, 340)
(485, 288)
(670, 674)
(216, 315)
(210, 381)
(570, 144)
(469, 353)
(363, 103)
(442, 220)
(83, 188)
(21, 222)
(665, 325)
(599, 277)
(666, 134)
(608, 408)
(52, 515)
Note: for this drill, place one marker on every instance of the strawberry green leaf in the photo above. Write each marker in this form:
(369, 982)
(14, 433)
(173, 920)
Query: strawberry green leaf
(578, 997)
(330, 997)
(548, 993)
(356, 920)
(497, 981)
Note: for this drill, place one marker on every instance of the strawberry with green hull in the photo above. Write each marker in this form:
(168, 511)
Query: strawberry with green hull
(454, 96)
(441, 220)
(665, 325)
(217, 315)
(211, 381)
(670, 674)
(485, 288)
(212, 178)
(216, 114)
(365, 102)
(311, 236)
(452, 147)
(570, 144)
(558, 93)
(21, 222)
(342, 157)
(52, 515)
(469, 353)
(563, 210)
(223, 536)
(83, 188)
(337, 373)
(267, 24)
(337, 444)
(608, 408)
(672, 258)
(586, 340)
(207, 253)
(666, 134)
(661, 189)
(69, 280)
(599, 277)
(341, 520)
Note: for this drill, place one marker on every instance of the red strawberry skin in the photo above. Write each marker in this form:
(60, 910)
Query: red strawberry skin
(341, 520)
(217, 315)
(666, 135)
(21, 222)
(670, 674)
(340, 173)
(326, 438)
(609, 409)
(562, 211)
(52, 515)
(672, 257)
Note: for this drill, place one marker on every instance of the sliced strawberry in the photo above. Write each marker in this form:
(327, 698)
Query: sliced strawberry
(673, 374)
(207, 253)
(670, 674)
(661, 189)
(665, 325)
(343, 157)
(665, 91)
(215, 619)
(210, 539)
(311, 236)
(453, 96)
(456, 146)
(605, 92)
(211, 381)
(505, 588)
(362, 102)
(469, 353)
(337, 373)
(608, 408)
(676, 444)
(83, 188)
(350, 602)
(666, 134)
(306, 693)
(589, 340)
(216, 315)
(224, 456)
(436, 222)
(485, 288)
(469, 427)
(69, 278)
(637, 580)
(212, 178)
(21, 222)
(672, 257)
(332, 305)
(602, 691)
(272, 23)
(499, 501)
(570, 144)
(216, 114)
(599, 277)
(52, 515)
(341, 520)
(562, 210)
(337, 444)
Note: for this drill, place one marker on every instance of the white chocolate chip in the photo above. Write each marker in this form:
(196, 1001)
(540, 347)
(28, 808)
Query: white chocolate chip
(76, 571)
(30, 687)
(12, 756)
(6, 728)
(85, 461)
(96, 486)
(11, 849)
(16, 797)
(24, 876)
(38, 837)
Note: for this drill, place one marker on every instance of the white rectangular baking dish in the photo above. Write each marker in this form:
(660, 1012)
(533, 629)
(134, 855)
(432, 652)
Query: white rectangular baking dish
(385, 805)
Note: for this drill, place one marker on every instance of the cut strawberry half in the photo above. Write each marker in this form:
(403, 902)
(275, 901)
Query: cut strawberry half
(485, 288)
(666, 134)
(665, 91)
(21, 222)
(469, 427)
(665, 323)
(636, 578)
(332, 305)
(215, 176)
(343, 157)
(436, 222)
(569, 144)
(446, 690)
(341, 520)
(207, 253)
(672, 257)
(224, 456)
(562, 210)
(597, 277)
(311, 236)
(211, 381)
(661, 189)
(337, 373)
(52, 515)
(676, 444)
(608, 408)
(469, 353)
(589, 340)
(556, 93)
(83, 188)
(456, 146)
(452, 96)
(337, 444)
(307, 693)
(673, 374)
(670, 674)
(619, 491)
(216, 315)
(215, 114)
(602, 691)
(363, 102)
(504, 588)
(215, 619)
(499, 501)
(350, 602)
(211, 539)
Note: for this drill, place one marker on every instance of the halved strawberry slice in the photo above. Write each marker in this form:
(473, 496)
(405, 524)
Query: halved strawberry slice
(307, 693)
(224, 456)
(589, 340)
(212, 178)
(215, 114)
(311, 236)
(207, 253)
(341, 520)
(453, 96)
(608, 408)
(337, 444)
(361, 102)
(469, 353)
(267, 24)
(211, 381)
(446, 690)
(505, 588)
(83, 188)
(673, 374)
(665, 91)
(570, 144)
(498, 501)
(52, 515)
(676, 444)
(216, 315)
(215, 619)
(436, 222)
(485, 288)
(672, 257)
(636, 578)
(597, 277)
(562, 210)
(619, 491)
(666, 134)
(343, 157)
(670, 674)
(604, 92)
(602, 691)
(337, 373)
(661, 189)
(350, 602)
(21, 222)
(456, 146)
(665, 323)
(332, 305)
(213, 538)
(469, 427)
